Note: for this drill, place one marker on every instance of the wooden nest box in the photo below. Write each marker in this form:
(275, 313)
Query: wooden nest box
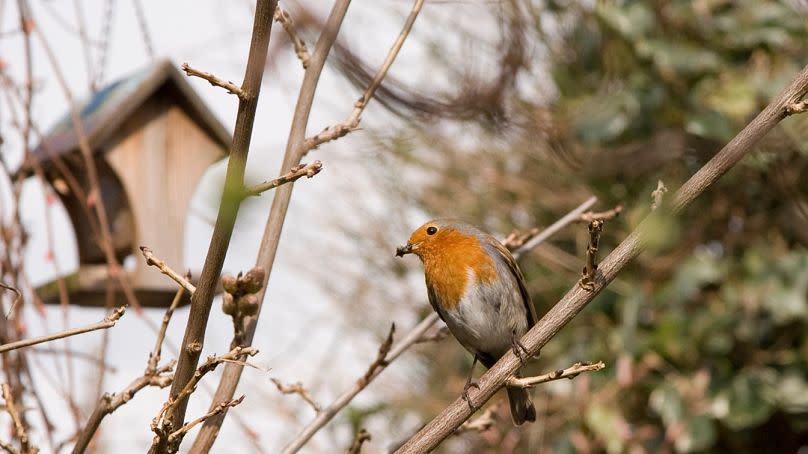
(152, 139)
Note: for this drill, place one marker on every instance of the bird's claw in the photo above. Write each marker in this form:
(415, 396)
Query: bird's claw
(519, 348)
(469, 384)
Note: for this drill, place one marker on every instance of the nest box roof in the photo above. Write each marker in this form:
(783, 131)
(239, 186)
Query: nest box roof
(108, 109)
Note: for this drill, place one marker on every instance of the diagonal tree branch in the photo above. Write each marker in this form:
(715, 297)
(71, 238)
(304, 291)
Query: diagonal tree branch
(277, 213)
(228, 209)
(108, 322)
(415, 336)
(444, 424)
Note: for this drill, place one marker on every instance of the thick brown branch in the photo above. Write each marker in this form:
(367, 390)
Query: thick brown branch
(151, 260)
(213, 80)
(444, 424)
(570, 372)
(288, 24)
(108, 322)
(299, 389)
(297, 172)
(277, 213)
(352, 122)
(202, 299)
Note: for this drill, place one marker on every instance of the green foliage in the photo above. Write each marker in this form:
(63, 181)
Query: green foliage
(706, 335)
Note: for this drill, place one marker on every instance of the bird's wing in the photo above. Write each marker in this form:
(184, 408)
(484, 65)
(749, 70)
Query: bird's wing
(503, 252)
(433, 301)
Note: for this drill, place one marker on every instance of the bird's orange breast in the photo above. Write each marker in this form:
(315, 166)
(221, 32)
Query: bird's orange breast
(447, 264)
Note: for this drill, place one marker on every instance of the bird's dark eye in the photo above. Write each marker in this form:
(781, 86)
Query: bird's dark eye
(431, 230)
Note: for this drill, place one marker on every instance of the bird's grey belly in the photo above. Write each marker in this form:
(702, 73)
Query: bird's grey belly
(485, 320)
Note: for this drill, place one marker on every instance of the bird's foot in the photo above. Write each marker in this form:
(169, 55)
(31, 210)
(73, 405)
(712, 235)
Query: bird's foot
(469, 384)
(519, 348)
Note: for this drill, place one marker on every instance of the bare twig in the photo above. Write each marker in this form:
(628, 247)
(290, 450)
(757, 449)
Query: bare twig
(301, 170)
(590, 216)
(161, 265)
(797, 107)
(202, 299)
(154, 356)
(570, 372)
(352, 123)
(108, 322)
(163, 425)
(591, 266)
(299, 389)
(213, 80)
(19, 427)
(381, 357)
(532, 242)
(577, 298)
(288, 24)
(414, 336)
(152, 376)
(17, 297)
(361, 437)
(657, 195)
(216, 410)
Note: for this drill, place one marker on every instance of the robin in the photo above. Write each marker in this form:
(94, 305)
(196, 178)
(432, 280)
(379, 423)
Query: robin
(475, 286)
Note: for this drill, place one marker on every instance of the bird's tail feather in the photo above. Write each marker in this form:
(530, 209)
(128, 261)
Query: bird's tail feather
(522, 408)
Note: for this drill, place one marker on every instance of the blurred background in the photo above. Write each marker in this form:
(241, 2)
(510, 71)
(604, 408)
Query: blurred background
(506, 114)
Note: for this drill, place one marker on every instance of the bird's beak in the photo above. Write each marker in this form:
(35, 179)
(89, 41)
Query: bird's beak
(401, 250)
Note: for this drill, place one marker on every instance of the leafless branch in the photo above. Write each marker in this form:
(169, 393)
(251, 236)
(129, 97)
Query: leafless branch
(381, 358)
(301, 170)
(213, 80)
(352, 123)
(277, 213)
(590, 216)
(19, 427)
(216, 410)
(299, 389)
(230, 201)
(577, 298)
(161, 265)
(657, 195)
(152, 376)
(361, 437)
(797, 107)
(414, 336)
(162, 424)
(17, 297)
(591, 266)
(108, 322)
(288, 24)
(521, 243)
(570, 372)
